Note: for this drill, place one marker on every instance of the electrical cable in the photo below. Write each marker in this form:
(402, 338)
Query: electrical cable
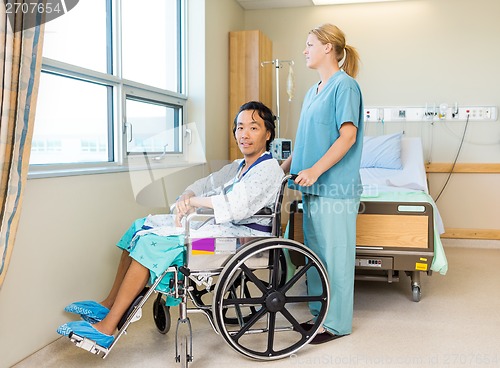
(431, 142)
(455, 161)
(493, 143)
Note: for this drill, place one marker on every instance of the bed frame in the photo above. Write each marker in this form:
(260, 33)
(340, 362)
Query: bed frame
(392, 237)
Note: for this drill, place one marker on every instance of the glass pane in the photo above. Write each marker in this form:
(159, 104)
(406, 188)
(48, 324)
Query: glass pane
(71, 123)
(150, 43)
(79, 36)
(152, 128)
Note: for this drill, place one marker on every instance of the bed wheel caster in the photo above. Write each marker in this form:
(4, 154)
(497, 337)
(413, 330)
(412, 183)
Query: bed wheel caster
(161, 315)
(416, 293)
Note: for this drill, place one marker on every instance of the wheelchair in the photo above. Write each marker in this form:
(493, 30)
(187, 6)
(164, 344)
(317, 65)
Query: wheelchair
(249, 289)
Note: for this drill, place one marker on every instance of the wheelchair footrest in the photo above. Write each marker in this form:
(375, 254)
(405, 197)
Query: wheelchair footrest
(87, 344)
(137, 315)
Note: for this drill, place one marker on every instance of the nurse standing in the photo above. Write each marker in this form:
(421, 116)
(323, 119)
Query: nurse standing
(327, 158)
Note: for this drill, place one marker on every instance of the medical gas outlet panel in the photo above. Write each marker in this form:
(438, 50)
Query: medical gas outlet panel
(431, 113)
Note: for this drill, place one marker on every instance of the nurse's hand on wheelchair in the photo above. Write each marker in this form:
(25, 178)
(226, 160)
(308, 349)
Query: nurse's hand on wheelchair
(307, 177)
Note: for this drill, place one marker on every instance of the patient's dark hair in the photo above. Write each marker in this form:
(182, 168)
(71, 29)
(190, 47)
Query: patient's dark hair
(265, 113)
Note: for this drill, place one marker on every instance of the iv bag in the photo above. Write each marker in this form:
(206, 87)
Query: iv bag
(290, 84)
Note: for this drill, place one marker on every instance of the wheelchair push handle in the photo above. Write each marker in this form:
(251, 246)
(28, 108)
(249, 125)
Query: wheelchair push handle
(288, 177)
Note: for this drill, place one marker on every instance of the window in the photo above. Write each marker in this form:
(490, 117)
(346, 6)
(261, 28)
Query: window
(69, 112)
(81, 36)
(161, 66)
(152, 127)
(112, 86)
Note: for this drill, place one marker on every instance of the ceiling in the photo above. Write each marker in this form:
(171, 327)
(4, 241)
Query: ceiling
(269, 4)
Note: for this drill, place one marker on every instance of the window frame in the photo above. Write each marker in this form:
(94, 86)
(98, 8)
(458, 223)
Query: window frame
(121, 88)
(149, 95)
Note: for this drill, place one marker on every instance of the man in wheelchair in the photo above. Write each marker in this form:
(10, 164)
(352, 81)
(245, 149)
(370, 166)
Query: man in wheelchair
(152, 244)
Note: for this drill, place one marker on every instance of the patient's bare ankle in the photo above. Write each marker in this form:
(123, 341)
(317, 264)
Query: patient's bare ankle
(107, 303)
(104, 328)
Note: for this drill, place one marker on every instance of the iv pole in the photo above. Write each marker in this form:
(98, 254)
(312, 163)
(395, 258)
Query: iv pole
(277, 65)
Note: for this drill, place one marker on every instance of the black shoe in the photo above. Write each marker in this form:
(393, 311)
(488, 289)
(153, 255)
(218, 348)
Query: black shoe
(306, 326)
(323, 337)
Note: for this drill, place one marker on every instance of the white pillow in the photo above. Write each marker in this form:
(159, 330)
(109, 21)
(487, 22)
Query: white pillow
(383, 151)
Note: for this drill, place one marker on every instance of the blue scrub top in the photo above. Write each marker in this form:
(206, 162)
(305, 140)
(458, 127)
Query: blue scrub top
(322, 116)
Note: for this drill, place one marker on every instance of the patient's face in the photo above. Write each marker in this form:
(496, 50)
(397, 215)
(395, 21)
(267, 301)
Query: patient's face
(251, 134)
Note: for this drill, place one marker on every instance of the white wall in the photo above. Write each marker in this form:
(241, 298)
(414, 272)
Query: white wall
(413, 53)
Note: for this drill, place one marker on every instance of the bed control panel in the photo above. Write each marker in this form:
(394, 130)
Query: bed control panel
(383, 263)
(370, 263)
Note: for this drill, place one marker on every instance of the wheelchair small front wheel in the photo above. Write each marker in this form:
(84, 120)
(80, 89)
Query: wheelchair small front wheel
(161, 315)
(184, 356)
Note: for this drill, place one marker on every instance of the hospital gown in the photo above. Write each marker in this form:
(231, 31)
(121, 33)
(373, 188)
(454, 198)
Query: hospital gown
(155, 241)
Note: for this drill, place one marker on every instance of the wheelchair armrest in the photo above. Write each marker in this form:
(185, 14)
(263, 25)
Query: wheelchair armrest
(210, 211)
(205, 211)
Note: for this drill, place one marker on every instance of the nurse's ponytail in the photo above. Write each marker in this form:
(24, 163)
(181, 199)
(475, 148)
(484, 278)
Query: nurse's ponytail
(351, 61)
(346, 55)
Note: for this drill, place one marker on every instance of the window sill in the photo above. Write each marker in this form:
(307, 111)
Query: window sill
(54, 172)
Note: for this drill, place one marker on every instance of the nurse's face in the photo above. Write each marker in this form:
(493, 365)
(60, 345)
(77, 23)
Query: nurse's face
(315, 52)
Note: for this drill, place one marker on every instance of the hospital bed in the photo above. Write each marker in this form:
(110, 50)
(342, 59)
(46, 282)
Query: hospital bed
(244, 289)
(398, 225)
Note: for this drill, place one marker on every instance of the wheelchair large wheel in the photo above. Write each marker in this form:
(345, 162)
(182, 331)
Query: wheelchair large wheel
(200, 294)
(251, 283)
(243, 288)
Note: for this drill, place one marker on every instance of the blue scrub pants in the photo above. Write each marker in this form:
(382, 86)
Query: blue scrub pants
(330, 232)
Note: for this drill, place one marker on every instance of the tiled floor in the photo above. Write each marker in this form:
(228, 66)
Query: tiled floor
(456, 324)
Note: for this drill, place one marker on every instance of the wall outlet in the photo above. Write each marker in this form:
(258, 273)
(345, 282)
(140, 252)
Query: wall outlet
(372, 115)
(398, 114)
(475, 113)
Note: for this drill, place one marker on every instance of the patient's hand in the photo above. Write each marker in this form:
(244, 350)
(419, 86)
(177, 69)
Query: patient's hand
(178, 218)
(182, 205)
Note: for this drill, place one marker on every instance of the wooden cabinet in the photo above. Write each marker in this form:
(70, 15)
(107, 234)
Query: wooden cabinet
(248, 80)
